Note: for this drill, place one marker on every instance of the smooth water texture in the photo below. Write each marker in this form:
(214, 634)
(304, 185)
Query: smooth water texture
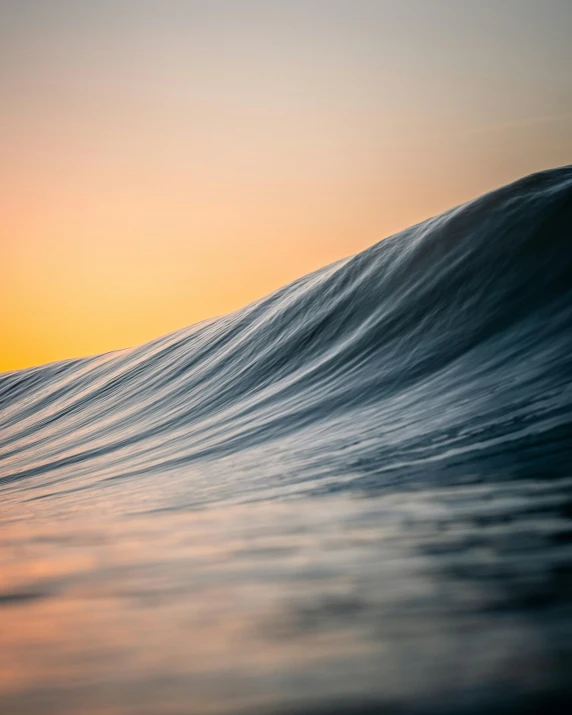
(353, 495)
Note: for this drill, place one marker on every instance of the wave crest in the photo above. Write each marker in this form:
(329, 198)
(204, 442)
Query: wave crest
(439, 353)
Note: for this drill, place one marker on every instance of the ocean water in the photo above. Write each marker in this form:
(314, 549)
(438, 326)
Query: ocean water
(351, 496)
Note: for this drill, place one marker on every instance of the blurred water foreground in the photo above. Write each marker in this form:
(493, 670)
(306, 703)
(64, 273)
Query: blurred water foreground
(439, 601)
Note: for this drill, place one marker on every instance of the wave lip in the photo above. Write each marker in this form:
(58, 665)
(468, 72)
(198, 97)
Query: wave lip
(440, 353)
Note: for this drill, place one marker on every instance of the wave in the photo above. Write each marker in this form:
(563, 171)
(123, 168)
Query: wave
(439, 354)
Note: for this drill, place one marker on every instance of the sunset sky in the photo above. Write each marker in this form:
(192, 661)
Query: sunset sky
(166, 161)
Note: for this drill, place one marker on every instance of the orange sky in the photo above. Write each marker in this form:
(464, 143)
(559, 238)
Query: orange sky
(161, 163)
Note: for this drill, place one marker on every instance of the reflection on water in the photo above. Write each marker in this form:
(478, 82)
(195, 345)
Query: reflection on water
(443, 601)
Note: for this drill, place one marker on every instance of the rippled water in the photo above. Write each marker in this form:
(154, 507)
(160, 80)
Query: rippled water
(354, 495)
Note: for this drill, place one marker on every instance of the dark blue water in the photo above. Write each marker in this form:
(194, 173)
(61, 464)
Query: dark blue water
(356, 490)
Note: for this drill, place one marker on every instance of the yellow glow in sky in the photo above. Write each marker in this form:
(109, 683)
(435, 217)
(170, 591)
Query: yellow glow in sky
(161, 163)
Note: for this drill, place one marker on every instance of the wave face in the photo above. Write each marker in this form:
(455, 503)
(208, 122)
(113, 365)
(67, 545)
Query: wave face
(439, 354)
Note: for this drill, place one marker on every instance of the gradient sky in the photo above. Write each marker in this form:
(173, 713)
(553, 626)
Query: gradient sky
(163, 162)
